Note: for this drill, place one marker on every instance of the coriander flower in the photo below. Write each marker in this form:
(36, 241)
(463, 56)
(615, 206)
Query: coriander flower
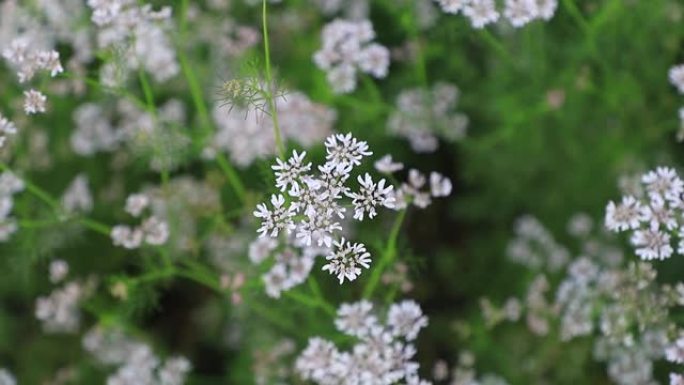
(481, 13)
(406, 319)
(34, 102)
(277, 220)
(624, 216)
(386, 165)
(371, 195)
(356, 319)
(347, 259)
(289, 172)
(345, 150)
(676, 75)
(675, 352)
(652, 244)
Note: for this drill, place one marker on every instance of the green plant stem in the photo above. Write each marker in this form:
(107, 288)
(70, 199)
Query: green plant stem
(387, 257)
(269, 85)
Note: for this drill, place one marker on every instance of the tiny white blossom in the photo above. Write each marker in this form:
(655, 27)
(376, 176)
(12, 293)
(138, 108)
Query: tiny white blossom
(136, 203)
(406, 319)
(277, 220)
(124, 236)
(288, 173)
(520, 12)
(440, 186)
(652, 244)
(371, 195)
(58, 270)
(347, 259)
(386, 165)
(481, 13)
(34, 102)
(156, 231)
(676, 75)
(675, 352)
(624, 216)
(356, 319)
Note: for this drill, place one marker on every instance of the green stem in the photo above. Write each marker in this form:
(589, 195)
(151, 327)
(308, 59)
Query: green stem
(387, 257)
(269, 85)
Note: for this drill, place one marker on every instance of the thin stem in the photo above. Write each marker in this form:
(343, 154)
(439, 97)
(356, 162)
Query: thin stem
(269, 80)
(387, 257)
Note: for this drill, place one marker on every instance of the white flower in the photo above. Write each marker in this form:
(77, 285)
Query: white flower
(546, 9)
(386, 165)
(652, 244)
(520, 12)
(481, 13)
(289, 173)
(374, 59)
(356, 319)
(440, 186)
(34, 102)
(347, 259)
(58, 270)
(49, 60)
(675, 352)
(156, 231)
(406, 319)
(136, 203)
(658, 214)
(624, 216)
(277, 220)
(261, 248)
(676, 379)
(124, 236)
(276, 280)
(6, 378)
(664, 182)
(676, 75)
(345, 150)
(371, 195)
(347, 47)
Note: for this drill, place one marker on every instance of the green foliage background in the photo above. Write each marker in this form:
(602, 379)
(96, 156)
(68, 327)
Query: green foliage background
(608, 57)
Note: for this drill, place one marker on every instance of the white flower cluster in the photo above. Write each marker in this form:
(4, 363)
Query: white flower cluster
(59, 311)
(293, 262)
(422, 115)
(348, 48)
(77, 197)
(313, 208)
(383, 354)
(534, 247)
(99, 129)
(248, 135)
(138, 365)
(518, 12)
(414, 190)
(7, 128)
(6, 378)
(28, 61)
(152, 231)
(9, 185)
(652, 220)
(623, 308)
(141, 32)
